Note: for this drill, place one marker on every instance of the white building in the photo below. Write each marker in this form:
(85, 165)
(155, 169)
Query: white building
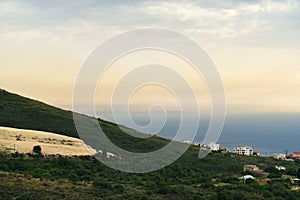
(247, 177)
(280, 168)
(246, 150)
(279, 156)
(213, 146)
(250, 168)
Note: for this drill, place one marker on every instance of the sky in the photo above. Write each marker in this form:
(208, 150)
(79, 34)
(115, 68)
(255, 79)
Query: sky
(255, 46)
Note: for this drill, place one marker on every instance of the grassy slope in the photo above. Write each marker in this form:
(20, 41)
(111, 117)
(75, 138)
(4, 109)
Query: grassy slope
(20, 112)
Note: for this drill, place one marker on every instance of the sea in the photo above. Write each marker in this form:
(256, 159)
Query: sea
(265, 133)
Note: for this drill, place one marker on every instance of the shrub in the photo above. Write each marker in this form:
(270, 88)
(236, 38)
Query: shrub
(37, 149)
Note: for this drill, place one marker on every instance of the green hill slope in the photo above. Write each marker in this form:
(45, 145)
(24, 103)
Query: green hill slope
(20, 112)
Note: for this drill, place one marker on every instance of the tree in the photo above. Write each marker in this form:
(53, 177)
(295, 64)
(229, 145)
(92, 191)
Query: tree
(37, 149)
(271, 169)
(298, 173)
(104, 154)
(274, 173)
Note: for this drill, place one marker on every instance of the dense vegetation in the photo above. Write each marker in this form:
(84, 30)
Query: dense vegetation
(214, 177)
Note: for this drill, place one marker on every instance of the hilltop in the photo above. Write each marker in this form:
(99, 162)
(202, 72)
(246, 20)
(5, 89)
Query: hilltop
(20, 112)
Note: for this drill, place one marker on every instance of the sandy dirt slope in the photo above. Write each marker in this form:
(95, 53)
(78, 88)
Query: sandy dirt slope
(23, 141)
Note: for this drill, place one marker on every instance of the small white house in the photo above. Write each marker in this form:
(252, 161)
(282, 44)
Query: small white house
(187, 141)
(246, 150)
(281, 168)
(280, 156)
(213, 146)
(250, 168)
(247, 177)
(295, 181)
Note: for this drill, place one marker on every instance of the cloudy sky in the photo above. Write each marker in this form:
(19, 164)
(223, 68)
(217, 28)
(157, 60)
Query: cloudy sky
(254, 44)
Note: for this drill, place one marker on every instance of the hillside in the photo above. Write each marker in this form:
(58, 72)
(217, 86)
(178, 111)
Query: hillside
(83, 177)
(214, 177)
(20, 112)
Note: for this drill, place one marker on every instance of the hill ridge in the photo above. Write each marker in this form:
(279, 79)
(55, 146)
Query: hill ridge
(17, 111)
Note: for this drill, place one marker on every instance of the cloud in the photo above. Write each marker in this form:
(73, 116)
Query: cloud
(62, 21)
(239, 34)
(237, 20)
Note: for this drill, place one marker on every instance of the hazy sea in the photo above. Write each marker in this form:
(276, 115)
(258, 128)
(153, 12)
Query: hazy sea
(268, 134)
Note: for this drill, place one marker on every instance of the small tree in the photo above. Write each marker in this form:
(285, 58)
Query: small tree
(104, 154)
(298, 173)
(37, 149)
